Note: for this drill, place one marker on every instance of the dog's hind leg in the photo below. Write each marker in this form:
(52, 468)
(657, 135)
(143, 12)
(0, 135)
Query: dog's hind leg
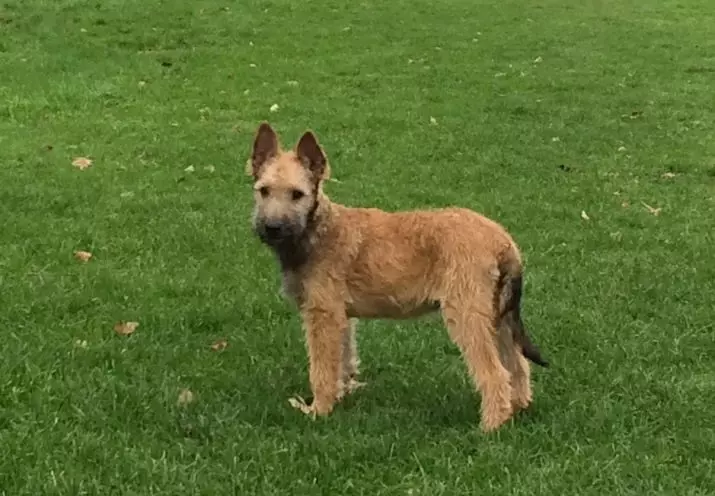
(471, 327)
(516, 364)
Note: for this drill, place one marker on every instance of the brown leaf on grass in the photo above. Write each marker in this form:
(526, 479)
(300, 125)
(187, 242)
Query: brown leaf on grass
(82, 163)
(82, 256)
(633, 115)
(185, 397)
(653, 210)
(125, 328)
(584, 215)
(625, 204)
(668, 175)
(219, 345)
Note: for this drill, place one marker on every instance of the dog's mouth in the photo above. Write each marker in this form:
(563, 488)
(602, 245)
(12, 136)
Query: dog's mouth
(277, 237)
(289, 247)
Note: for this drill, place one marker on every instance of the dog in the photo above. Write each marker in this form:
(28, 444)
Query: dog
(340, 264)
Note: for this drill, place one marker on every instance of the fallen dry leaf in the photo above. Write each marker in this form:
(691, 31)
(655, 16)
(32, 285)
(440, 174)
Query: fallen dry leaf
(80, 343)
(584, 215)
(433, 121)
(82, 256)
(653, 210)
(668, 175)
(274, 107)
(82, 163)
(219, 345)
(537, 60)
(190, 168)
(125, 328)
(210, 168)
(185, 397)
(625, 204)
(621, 148)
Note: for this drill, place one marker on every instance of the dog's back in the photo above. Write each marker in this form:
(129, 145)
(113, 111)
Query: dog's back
(400, 264)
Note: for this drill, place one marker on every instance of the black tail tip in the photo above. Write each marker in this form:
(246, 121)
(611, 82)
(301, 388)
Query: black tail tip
(543, 363)
(535, 357)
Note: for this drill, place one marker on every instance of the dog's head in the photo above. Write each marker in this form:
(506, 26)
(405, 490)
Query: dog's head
(286, 187)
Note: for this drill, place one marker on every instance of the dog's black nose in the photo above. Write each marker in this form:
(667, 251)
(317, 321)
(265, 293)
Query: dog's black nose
(273, 229)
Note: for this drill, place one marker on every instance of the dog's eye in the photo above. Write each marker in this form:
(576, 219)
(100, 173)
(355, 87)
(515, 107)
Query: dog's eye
(263, 191)
(297, 194)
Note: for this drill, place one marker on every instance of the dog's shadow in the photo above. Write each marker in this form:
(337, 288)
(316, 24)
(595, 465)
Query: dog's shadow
(444, 402)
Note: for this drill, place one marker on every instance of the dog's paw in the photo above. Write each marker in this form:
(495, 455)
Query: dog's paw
(349, 388)
(521, 401)
(353, 385)
(299, 403)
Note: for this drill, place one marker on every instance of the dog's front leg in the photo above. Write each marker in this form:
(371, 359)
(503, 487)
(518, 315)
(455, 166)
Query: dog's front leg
(324, 335)
(351, 361)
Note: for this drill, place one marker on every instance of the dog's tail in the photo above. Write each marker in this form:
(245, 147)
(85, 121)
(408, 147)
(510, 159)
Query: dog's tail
(509, 295)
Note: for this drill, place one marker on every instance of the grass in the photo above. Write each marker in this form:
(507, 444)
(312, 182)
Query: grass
(543, 110)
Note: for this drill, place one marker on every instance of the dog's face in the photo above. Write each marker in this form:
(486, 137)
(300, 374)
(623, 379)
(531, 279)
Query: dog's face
(286, 186)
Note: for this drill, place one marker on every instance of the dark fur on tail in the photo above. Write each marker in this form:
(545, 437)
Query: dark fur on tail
(510, 310)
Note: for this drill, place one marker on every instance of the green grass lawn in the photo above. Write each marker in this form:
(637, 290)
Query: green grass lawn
(530, 112)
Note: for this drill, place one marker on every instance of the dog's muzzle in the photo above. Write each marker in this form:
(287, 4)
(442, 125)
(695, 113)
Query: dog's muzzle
(274, 233)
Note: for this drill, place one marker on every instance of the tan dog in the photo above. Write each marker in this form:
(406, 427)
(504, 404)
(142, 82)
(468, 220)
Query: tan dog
(341, 263)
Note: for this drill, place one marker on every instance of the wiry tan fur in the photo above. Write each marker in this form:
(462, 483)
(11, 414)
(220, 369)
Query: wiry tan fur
(368, 263)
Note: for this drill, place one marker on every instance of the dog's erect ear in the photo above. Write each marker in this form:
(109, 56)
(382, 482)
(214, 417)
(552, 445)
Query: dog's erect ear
(265, 147)
(312, 156)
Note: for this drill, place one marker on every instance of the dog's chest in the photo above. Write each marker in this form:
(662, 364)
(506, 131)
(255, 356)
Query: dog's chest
(291, 286)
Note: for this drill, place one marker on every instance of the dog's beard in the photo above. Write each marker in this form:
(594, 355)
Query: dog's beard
(292, 254)
(291, 250)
